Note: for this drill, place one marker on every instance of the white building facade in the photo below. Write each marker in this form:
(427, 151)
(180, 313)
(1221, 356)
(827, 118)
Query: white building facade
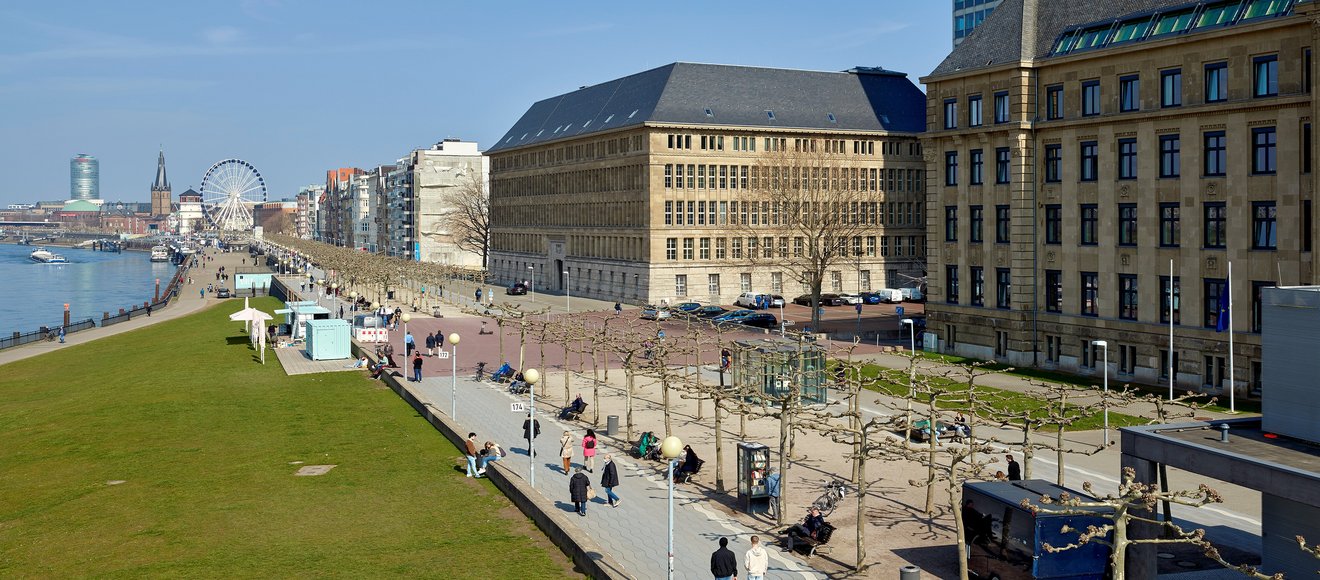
(417, 191)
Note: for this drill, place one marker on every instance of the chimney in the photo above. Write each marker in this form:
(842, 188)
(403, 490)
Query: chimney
(1029, 18)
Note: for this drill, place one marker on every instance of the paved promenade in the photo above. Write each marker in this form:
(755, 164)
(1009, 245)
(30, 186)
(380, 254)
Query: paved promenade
(634, 532)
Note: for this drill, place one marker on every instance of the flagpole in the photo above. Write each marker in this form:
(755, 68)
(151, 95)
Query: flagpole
(1231, 403)
(1171, 355)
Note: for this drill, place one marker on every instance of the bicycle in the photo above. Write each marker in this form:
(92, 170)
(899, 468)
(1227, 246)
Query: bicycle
(835, 491)
(481, 372)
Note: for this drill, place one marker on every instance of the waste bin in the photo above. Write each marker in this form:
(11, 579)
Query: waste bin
(909, 573)
(612, 425)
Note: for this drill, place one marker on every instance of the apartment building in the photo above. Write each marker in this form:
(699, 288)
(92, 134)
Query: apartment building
(630, 189)
(420, 193)
(1096, 167)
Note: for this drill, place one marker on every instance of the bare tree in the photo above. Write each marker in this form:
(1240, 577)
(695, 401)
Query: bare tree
(806, 211)
(468, 220)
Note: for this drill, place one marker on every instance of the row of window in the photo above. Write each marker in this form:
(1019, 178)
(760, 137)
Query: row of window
(1089, 294)
(1264, 83)
(772, 247)
(1214, 225)
(567, 154)
(801, 145)
(755, 213)
(1214, 158)
(694, 176)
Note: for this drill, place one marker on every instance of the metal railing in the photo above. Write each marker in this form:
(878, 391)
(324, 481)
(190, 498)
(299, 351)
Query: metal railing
(22, 338)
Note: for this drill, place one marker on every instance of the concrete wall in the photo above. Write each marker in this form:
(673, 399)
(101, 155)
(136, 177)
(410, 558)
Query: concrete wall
(1284, 520)
(1289, 403)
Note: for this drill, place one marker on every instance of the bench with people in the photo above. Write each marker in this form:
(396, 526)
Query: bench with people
(809, 535)
(574, 411)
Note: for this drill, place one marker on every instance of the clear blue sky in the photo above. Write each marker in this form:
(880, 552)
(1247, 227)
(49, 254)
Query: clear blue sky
(296, 88)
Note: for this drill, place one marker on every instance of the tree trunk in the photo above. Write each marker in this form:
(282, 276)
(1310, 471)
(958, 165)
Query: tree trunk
(628, 378)
(784, 421)
(719, 448)
(567, 379)
(1027, 448)
(862, 521)
(932, 424)
(595, 391)
(664, 389)
(960, 527)
(1118, 553)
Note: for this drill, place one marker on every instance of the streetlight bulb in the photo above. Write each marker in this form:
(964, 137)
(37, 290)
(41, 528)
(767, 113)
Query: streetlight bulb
(453, 339)
(334, 286)
(671, 447)
(532, 376)
(375, 305)
(406, 317)
(352, 294)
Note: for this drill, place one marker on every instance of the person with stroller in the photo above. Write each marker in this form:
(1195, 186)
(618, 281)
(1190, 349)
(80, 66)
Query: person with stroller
(505, 371)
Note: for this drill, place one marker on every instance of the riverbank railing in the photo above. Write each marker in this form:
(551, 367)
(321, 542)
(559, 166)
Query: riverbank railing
(44, 333)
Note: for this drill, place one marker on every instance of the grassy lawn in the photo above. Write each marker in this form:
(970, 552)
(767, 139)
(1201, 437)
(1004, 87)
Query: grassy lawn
(203, 439)
(1220, 404)
(1010, 402)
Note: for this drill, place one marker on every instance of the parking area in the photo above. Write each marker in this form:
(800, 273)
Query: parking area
(873, 320)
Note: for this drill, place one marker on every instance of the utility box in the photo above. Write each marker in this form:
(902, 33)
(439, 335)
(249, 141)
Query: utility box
(328, 339)
(1006, 540)
(753, 466)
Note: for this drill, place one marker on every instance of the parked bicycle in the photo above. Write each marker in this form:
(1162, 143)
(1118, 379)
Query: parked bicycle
(481, 372)
(835, 491)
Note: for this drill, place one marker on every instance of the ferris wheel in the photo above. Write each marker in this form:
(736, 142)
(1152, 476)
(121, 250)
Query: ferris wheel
(230, 189)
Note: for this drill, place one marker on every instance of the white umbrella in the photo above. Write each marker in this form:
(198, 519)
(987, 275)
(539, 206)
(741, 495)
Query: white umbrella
(249, 315)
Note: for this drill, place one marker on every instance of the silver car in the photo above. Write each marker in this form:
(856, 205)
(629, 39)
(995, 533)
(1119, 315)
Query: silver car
(655, 313)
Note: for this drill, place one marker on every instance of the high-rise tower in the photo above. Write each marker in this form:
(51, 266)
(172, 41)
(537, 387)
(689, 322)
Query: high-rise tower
(84, 177)
(161, 198)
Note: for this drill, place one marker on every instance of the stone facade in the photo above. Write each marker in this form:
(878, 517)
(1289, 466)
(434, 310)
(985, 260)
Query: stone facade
(1114, 169)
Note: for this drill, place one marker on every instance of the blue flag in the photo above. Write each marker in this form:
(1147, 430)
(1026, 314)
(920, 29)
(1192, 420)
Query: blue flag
(1223, 322)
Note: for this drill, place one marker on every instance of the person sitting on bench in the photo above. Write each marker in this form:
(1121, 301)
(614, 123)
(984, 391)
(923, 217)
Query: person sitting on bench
(689, 466)
(518, 384)
(807, 529)
(573, 410)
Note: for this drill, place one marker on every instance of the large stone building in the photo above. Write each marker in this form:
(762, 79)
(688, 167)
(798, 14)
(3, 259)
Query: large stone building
(418, 201)
(1077, 149)
(968, 14)
(629, 190)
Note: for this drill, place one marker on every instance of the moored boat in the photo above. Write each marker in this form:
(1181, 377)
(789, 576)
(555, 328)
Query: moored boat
(44, 256)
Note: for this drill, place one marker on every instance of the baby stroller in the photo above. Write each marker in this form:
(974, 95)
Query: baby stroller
(518, 386)
(503, 373)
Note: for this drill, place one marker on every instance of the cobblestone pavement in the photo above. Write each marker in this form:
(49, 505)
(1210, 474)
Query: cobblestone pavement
(634, 532)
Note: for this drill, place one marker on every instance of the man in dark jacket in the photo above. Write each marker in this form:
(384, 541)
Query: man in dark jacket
(1014, 469)
(531, 430)
(430, 344)
(577, 491)
(609, 480)
(723, 564)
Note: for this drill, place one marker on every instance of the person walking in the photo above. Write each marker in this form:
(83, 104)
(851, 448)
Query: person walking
(470, 453)
(618, 308)
(409, 343)
(439, 340)
(417, 367)
(579, 490)
(531, 430)
(589, 451)
(148, 310)
(609, 479)
(772, 490)
(723, 564)
(430, 344)
(478, 295)
(61, 334)
(1014, 470)
(757, 560)
(566, 450)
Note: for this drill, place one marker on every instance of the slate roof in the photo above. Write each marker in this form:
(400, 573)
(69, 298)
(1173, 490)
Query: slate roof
(863, 99)
(999, 40)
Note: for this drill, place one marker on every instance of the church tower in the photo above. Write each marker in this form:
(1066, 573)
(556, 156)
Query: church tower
(161, 198)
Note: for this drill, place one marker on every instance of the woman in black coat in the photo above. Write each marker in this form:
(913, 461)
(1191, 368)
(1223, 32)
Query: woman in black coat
(577, 491)
(609, 480)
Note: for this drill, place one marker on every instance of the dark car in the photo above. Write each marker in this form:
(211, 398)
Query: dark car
(707, 312)
(871, 297)
(733, 316)
(825, 300)
(516, 290)
(222, 293)
(686, 306)
(760, 320)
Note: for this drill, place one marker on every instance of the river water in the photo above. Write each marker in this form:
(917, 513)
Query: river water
(33, 294)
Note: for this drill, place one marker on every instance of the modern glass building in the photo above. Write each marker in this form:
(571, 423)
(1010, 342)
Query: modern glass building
(84, 177)
(968, 14)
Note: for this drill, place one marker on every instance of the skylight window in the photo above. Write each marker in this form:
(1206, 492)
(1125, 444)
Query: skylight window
(709, 113)
(1259, 8)
(587, 124)
(1218, 14)
(1065, 42)
(1092, 38)
(832, 119)
(1132, 30)
(770, 114)
(634, 113)
(523, 137)
(607, 119)
(538, 133)
(1173, 22)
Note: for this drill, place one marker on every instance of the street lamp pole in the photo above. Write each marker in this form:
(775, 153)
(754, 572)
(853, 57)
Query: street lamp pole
(1105, 400)
(670, 449)
(531, 284)
(531, 377)
(453, 370)
(568, 298)
(405, 318)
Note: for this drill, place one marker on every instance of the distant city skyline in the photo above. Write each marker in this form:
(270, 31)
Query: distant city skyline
(296, 88)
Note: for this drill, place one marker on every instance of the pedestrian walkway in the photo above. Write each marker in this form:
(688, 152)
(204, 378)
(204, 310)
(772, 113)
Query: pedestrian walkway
(188, 302)
(636, 531)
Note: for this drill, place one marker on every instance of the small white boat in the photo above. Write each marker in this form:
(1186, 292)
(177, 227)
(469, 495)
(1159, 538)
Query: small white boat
(160, 254)
(45, 256)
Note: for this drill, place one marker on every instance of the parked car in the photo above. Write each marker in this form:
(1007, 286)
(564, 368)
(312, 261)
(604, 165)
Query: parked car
(776, 301)
(708, 312)
(871, 298)
(912, 295)
(760, 320)
(685, 306)
(516, 290)
(825, 300)
(851, 299)
(222, 293)
(732, 316)
(891, 296)
(655, 313)
(753, 300)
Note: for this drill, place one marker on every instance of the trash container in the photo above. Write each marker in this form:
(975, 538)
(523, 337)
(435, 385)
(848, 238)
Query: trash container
(612, 425)
(909, 573)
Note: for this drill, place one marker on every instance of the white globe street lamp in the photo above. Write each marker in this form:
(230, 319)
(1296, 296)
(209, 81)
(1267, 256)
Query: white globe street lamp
(531, 377)
(453, 371)
(1105, 346)
(670, 449)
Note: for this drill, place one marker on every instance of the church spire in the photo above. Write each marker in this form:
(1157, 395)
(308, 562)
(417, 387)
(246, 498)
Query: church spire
(162, 183)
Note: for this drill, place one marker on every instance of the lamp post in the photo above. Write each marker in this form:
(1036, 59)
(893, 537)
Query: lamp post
(405, 318)
(568, 298)
(912, 333)
(353, 297)
(531, 377)
(334, 294)
(453, 370)
(670, 449)
(912, 379)
(1105, 400)
(531, 284)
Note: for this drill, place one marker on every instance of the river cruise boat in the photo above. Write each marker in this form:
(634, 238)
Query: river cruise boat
(160, 254)
(44, 256)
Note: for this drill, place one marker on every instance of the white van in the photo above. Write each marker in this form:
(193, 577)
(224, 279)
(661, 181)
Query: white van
(890, 295)
(912, 295)
(751, 299)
